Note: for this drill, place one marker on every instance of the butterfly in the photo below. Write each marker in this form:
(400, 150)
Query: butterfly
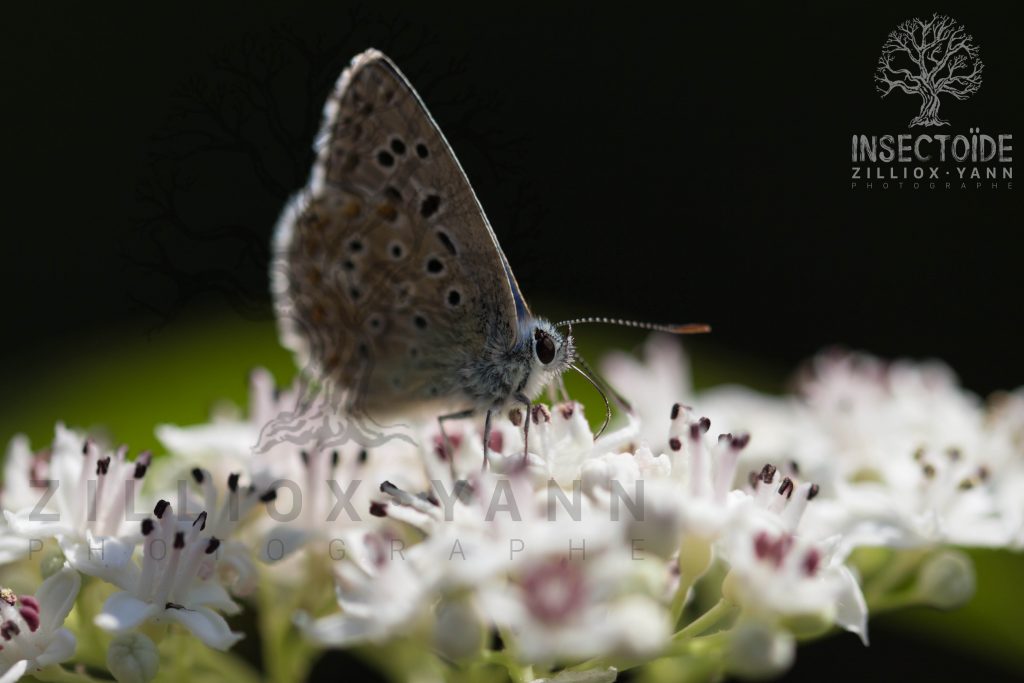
(390, 282)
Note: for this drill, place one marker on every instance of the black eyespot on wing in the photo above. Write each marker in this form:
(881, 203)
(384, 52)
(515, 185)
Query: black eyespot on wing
(397, 146)
(430, 205)
(454, 297)
(446, 240)
(392, 193)
(420, 322)
(545, 346)
(355, 246)
(434, 266)
(396, 251)
(385, 159)
(421, 151)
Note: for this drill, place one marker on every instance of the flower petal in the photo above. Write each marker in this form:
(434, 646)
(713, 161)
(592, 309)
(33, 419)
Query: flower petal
(26, 523)
(123, 611)
(56, 597)
(207, 625)
(282, 541)
(16, 671)
(60, 649)
(106, 557)
(12, 547)
(211, 594)
(340, 630)
(851, 608)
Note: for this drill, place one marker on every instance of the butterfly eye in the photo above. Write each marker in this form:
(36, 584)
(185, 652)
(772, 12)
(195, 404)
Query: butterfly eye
(545, 347)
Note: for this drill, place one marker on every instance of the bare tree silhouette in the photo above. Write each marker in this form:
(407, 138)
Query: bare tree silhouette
(929, 59)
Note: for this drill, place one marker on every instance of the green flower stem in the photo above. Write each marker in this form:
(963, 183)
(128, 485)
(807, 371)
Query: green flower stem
(275, 623)
(894, 600)
(91, 646)
(720, 611)
(902, 566)
(683, 642)
(505, 660)
(679, 598)
(694, 560)
(58, 674)
(708, 648)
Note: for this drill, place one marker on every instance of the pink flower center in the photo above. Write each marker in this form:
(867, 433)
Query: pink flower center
(554, 590)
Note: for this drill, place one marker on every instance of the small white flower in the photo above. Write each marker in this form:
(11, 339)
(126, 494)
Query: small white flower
(571, 606)
(918, 461)
(94, 496)
(32, 636)
(230, 507)
(779, 577)
(170, 586)
(382, 588)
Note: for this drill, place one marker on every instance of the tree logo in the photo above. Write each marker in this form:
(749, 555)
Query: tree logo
(929, 59)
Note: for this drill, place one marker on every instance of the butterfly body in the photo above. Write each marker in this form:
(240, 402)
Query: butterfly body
(388, 280)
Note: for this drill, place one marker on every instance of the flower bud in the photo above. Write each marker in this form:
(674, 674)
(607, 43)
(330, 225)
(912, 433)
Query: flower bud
(132, 658)
(694, 556)
(758, 651)
(459, 631)
(946, 580)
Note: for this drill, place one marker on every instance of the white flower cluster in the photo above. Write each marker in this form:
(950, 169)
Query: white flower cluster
(715, 528)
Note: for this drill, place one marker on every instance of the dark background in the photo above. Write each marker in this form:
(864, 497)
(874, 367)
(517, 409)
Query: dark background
(675, 163)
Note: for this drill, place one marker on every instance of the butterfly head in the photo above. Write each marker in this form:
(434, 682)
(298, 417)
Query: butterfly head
(551, 354)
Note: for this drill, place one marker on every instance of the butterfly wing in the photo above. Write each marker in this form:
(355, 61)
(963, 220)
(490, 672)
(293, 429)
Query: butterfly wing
(388, 278)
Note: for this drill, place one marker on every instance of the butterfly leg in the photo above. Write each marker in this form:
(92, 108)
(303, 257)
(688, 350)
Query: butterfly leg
(526, 425)
(487, 438)
(446, 442)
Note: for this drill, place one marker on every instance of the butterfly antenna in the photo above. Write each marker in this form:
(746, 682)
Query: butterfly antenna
(616, 396)
(691, 328)
(607, 405)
